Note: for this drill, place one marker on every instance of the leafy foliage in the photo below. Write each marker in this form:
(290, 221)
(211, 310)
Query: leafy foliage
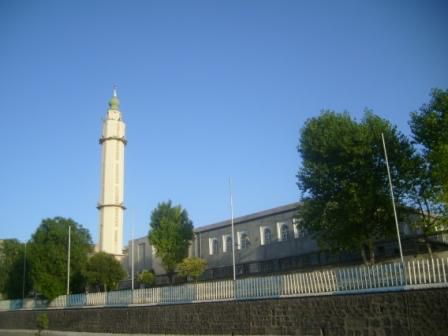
(103, 270)
(429, 128)
(170, 233)
(42, 322)
(48, 256)
(346, 202)
(12, 269)
(428, 189)
(192, 267)
(147, 278)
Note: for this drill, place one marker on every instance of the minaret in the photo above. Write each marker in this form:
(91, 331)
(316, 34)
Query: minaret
(111, 205)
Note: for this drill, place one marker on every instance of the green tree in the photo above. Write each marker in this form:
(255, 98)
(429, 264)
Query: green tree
(429, 183)
(429, 214)
(146, 278)
(12, 269)
(429, 128)
(192, 267)
(48, 256)
(346, 199)
(103, 270)
(170, 233)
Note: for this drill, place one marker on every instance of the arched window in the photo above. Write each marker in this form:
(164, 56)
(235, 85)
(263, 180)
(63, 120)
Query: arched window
(244, 241)
(229, 244)
(215, 246)
(285, 232)
(267, 236)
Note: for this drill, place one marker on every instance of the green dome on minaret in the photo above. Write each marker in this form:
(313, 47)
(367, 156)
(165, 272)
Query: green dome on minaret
(114, 102)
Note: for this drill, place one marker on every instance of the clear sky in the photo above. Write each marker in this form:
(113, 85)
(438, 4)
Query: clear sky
(209, 90)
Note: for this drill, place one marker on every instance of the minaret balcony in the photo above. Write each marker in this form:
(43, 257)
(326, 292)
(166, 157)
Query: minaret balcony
(119, 205)
(122, 139)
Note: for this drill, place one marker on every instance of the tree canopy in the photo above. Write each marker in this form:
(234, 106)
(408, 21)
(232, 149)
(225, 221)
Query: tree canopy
(103, 270)
(12, 266)
(48, 256)
(170, 233)
(192, 267)
(429, 128)
(428, 190)
(147, 278)
(346, 198)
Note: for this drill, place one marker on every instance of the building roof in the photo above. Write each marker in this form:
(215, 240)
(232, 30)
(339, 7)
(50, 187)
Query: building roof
(246, 218)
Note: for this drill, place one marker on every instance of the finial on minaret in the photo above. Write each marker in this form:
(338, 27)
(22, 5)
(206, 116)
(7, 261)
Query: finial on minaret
(114, 102)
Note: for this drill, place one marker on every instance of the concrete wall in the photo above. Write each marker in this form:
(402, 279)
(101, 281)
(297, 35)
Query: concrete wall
(401, 313)
(144, 257)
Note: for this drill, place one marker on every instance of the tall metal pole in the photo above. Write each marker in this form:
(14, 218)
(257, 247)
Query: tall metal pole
(24, 273)
(132, 257)
(393, 199)
(68, 260)
(233, 231)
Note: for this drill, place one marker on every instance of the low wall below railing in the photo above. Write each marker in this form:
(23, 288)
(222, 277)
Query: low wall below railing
(420, 274)
(415, 312)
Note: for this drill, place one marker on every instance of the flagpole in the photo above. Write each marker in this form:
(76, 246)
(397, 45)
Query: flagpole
(233, 230)
(132, 256)
(24, 274)
(68, 260)
(393, 199)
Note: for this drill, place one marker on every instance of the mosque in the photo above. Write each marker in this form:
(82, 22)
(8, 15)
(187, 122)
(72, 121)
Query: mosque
(265, 242)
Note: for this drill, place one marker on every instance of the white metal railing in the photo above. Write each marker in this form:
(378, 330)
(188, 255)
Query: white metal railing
(422, 273)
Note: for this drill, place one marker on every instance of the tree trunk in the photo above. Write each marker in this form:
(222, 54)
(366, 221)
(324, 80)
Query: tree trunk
(171, 277)
(368, 254)
(428, 246)
(372, 255)
(363, 254)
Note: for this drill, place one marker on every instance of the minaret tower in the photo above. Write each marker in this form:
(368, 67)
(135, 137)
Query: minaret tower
(111, 205)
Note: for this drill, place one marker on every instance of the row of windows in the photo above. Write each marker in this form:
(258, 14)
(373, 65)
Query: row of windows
(243, 241)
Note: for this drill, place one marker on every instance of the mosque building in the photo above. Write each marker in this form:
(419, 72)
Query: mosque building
(265, 242)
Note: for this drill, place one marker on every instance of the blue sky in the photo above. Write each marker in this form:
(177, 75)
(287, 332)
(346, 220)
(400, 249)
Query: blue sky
(209, 90)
